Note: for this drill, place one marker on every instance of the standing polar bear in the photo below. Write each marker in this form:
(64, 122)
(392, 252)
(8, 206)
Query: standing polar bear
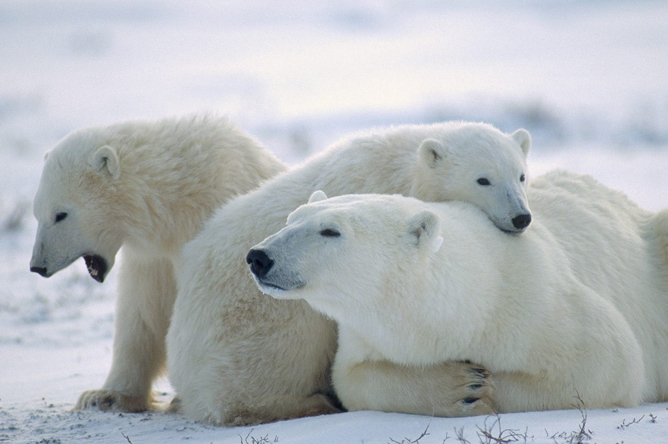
(236, 356)
(148, 187)
(575, 306)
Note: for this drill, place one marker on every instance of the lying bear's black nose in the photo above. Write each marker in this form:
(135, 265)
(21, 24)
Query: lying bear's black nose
(260, 264)
(522, 221)
(39, 270)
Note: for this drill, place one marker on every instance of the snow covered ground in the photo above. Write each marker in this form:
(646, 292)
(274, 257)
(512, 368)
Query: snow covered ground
(589, 79)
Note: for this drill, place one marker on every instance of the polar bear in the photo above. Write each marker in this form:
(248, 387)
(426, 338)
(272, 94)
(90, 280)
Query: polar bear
(491, 173)
(238, 357)
(662, 231)
(148, 187)
(574, 307)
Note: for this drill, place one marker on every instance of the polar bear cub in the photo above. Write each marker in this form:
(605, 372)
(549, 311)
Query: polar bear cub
(575, 306)
(144, 188)
(490, 173)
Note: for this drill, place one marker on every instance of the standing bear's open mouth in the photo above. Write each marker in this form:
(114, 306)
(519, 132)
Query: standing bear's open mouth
(97, 266)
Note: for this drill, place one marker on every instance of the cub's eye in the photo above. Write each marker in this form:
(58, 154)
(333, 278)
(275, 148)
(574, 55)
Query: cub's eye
(483, 181)
(328, 232)
(522, 178)
(60, 217)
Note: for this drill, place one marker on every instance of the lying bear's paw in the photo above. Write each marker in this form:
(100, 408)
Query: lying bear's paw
(475, 390)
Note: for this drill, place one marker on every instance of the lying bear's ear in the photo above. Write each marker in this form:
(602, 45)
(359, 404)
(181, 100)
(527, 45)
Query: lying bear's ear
(105, 160)
(523, 138)
(425, 227)
(317, 196)
(432, 152)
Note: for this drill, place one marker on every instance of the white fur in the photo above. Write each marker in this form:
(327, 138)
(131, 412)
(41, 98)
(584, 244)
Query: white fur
(238, 357)
(146, 187)
(576, 306)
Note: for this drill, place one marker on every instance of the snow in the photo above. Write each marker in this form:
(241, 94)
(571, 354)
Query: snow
(587, 78)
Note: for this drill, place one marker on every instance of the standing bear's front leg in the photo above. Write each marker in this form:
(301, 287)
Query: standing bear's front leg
(146, 293)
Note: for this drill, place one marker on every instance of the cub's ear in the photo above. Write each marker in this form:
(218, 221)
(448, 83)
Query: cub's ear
(432, 152)
(425, 227)
(105, 160)
(317, 196)
(523, 138)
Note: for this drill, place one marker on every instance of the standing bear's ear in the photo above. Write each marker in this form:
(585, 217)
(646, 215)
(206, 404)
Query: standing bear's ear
(523, 138)
(317, 196)
(432, 152)
(105, 160)
(425, 227)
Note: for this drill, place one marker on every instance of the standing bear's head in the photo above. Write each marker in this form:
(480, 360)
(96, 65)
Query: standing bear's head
(77, 207)
(477, 163)
(332, 245)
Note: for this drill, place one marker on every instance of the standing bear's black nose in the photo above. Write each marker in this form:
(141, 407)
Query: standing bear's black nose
(39, 270)
(260, 264)
(522, 221)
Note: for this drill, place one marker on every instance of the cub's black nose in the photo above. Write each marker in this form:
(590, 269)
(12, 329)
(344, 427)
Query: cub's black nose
(522, 221)
(39, 270)
(260, 264)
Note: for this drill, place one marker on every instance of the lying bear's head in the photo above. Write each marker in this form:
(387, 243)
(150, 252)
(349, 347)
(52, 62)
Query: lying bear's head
(74, 207)
(479, 164)
(332, 245)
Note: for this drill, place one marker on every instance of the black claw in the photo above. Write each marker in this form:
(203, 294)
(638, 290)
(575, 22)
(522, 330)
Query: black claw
(470, 400)
(475, 386)
(480, 372)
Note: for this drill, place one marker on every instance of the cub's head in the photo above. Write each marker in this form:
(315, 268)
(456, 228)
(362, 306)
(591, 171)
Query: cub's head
(479, 164)
(74, 207)
(333, 250)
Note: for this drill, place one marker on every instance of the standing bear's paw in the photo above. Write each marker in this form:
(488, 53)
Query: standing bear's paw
(111, 401)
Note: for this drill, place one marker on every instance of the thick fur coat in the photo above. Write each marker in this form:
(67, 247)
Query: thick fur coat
(573, 308)
(144, 188)
(236, 356)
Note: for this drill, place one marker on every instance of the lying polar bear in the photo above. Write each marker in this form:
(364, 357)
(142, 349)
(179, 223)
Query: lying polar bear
(575, 306)
(237, 357)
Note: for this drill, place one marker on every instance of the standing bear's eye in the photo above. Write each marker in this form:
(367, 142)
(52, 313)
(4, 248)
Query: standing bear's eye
(522, 178)
(483, 181)
(328, 232)
(60, 217)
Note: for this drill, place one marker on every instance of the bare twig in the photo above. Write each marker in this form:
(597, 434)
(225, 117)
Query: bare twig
(582, 434)
(487, 435)
(414, 441)
(253, 440)
(460, 436)
(625, 424)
